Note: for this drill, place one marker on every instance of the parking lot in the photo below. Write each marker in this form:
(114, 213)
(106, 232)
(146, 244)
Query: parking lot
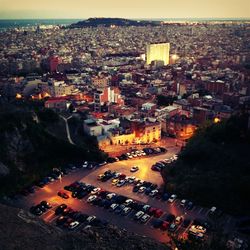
(152, 227)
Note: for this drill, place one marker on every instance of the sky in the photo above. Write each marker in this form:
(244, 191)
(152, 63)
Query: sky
(25, 9)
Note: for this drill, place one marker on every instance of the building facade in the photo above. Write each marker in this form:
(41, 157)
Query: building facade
(158, 52)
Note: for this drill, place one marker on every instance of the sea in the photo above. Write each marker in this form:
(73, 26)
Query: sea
(22, 23)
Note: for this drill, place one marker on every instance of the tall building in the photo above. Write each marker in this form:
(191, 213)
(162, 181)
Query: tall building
(158, 52)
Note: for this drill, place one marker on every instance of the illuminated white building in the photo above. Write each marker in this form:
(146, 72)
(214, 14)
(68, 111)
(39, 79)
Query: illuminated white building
(158, 52)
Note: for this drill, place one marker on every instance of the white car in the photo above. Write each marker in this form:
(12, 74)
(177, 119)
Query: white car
(95, 190)
(128, 202)
(120, 183)
(90, 218)
(116, 175)
(141, 189)
(183, 202)
(134, 169)
(91, 198)
(131, 179)
(153, 193)
(138, 215)
(114, 206)
(73, 224)
(85, 164)
(126, 210)
(145, 218)
(110, 196)
(172, 198)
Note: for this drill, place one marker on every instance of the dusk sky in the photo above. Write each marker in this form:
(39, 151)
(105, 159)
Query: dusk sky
(10, 9)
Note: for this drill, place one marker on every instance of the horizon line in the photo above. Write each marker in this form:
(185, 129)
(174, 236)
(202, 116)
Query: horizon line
(148, 18)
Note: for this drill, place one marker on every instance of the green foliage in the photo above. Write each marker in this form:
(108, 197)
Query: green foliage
(214, 167)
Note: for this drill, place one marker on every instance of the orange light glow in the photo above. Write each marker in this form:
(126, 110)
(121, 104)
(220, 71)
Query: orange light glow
(18, 96)
(216, 120)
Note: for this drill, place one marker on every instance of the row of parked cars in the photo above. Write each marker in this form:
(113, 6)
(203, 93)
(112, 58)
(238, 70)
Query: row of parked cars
(56, 174)
(158, 166)
(70, 218)
(40, 208)
(137, 153)
(118, 204)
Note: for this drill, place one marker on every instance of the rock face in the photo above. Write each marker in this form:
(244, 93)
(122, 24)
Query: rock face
(4, 170)
(16, 145)
(20, 230)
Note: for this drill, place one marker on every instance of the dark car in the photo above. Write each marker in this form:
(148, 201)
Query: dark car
(165, 197)
(148, 190)
(136, 188)
(186, 223)
(61, 220)
(60, 209)
(107, 204)
(81, 194)
(170, 218)
(36, 210)
(157, 223)
(45, 204)
(111, 160)
(120, 199)
(190, 205)
(63, 194)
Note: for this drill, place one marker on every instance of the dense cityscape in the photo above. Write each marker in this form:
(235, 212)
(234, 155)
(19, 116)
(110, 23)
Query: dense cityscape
(125, 134)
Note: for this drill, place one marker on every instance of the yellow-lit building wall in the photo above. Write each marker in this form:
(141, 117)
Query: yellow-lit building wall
(125, 139)
(158, 52)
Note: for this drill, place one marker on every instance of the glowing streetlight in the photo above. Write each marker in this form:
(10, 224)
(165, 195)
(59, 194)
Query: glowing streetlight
(216, 120)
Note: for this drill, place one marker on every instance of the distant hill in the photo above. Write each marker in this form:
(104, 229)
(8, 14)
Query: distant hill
(107, 22)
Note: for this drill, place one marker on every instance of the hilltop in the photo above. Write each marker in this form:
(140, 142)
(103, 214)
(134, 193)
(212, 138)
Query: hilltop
(107, 22)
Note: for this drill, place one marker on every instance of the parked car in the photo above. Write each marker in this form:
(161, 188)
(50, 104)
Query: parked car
(126, 210)
(91, 198)
(90, 218)
(46, 204)
(60, 209)
(153, 193)
(36, 210)
(183, 203)
(120, 183)
(95, 190)
(172, 198)
(134, 169)
(142, 189)
(165, 225)
(172, 227)
(138, 215)
(63, 194)
(145, 218)
(114, 206)
(73, 224)
(178, 220)
(189, 205)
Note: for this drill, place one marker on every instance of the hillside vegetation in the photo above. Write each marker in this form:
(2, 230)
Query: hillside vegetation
(214, 167)
(29, 151)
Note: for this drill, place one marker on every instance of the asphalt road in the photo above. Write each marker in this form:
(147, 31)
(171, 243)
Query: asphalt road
(49, 193)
